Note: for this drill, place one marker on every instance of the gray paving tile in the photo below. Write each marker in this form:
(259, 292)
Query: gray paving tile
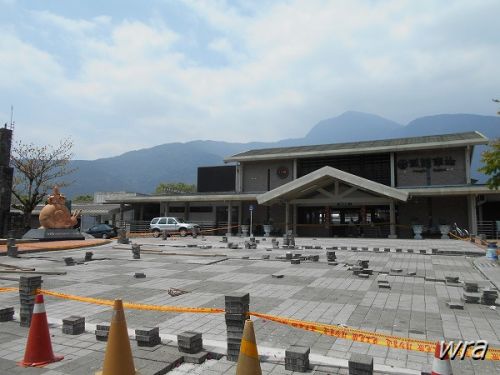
(415, 306)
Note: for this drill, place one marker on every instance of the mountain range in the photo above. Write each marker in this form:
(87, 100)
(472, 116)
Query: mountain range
(142, 170)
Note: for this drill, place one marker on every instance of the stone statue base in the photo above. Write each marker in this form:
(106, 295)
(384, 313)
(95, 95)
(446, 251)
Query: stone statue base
(54, 234)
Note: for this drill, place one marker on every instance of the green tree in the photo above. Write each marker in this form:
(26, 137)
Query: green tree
(491, 161)
(87, 198)
(491, 164)
(36, 170)
(174, 188)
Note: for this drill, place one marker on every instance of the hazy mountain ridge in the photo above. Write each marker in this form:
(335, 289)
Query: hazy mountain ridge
(350, 123)
(142, 170)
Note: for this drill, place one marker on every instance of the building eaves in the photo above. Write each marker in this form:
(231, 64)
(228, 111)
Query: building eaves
(364, 147)
(199, 198)
(88, 209)
(449, 190)
(326, 175)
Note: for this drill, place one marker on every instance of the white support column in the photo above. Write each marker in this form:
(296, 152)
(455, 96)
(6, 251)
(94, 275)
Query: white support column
(467, 165)
(229, 219)
(166, 209)
(471, 208)
(294, 176)
(392, 219)
(239, 176)
(294, 221)
(287, 215)
(237, 187)
(122, 210)
(240, 212)
(393, 171)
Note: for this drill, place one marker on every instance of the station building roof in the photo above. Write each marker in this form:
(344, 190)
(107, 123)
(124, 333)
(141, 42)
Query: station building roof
(324, 176)
(365, 147)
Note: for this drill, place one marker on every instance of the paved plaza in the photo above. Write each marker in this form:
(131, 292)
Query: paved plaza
(414, 306)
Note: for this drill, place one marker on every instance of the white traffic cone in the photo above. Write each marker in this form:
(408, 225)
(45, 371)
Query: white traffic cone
(441, 366)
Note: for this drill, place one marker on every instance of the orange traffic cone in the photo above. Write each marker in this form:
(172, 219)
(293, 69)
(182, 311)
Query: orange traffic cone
(441, 366)
(118, 358)
(248, 360)
(39, 348)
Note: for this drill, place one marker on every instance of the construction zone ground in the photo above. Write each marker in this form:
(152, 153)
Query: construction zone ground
(415, 304)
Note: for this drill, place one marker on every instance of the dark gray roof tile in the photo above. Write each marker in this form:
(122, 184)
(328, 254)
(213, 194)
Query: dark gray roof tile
(364, 146)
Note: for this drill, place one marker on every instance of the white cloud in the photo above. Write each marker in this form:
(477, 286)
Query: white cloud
(286, 65)
(64, 23)
(142, 39)
(226, 48)
(24, 66)
(102, 20)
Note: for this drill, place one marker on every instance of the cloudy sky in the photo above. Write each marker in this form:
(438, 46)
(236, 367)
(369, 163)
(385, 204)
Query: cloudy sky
(118, 75)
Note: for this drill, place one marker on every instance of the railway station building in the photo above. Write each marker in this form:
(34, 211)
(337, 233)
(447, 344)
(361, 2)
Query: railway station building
(381, 188)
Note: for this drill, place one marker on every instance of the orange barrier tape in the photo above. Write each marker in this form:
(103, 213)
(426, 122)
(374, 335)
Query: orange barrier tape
(459, 238)
(149, 233)
(139, 234)
(8, 289)
(368, 337)
(172, 235)
(130, 305)
(217, 229)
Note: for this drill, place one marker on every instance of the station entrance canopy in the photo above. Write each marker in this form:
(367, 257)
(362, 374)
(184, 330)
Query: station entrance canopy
(329, 185)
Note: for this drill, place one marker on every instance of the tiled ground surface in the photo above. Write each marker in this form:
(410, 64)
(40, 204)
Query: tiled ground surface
(415, 306)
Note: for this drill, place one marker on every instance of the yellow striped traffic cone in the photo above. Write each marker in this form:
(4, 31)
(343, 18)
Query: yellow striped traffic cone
(248, 360)
(118, 358)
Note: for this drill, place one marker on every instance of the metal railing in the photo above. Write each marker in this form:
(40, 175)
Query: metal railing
(142, 226)
(489, 228)
(134, 226)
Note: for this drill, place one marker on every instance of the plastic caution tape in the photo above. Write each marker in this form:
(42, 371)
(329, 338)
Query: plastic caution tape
(8, 289)
(130, 305)
(217, 229)
(368, 337)
(175, 234)
(459, 238)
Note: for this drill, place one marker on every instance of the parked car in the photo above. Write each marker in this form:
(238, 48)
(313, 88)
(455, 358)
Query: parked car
(172, 224)
(102, 231)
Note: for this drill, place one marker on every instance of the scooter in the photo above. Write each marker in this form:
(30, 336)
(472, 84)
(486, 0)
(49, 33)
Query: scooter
(457, 232)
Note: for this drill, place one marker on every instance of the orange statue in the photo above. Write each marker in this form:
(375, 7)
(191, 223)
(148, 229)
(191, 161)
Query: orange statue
(55, 214)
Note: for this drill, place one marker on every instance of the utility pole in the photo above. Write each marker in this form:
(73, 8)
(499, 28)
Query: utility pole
(11, 124)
